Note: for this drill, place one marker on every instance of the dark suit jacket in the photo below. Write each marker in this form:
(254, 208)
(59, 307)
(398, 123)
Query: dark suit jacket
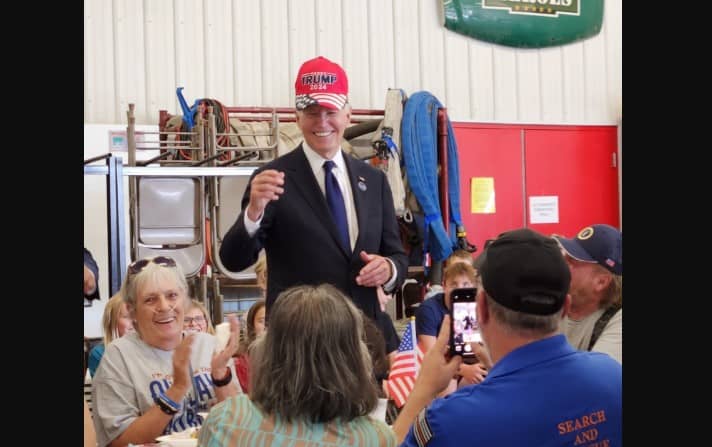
(300, 237)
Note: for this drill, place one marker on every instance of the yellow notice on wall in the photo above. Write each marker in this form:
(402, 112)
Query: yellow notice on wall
(482, 189)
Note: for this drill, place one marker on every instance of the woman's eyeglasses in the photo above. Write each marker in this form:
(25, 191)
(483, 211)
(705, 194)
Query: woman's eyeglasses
(137, 266)
(198, 320)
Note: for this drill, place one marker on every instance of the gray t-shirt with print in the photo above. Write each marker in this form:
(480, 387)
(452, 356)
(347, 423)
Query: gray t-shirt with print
(131, 374)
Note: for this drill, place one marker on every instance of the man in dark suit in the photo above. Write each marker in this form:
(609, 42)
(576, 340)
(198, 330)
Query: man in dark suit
(289, 210)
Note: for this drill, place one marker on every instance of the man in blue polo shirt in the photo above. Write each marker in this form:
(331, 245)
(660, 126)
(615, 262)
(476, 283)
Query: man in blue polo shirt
(540, 390)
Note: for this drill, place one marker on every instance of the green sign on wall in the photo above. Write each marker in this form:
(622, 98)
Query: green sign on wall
(524, 23)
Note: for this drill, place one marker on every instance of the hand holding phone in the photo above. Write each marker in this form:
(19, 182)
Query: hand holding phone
(464, 330)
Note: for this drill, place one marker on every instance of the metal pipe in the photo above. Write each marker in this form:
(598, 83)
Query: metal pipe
(154, 159)
(435, 273)
(236, 159)
(442, 168)
(98, 157)
(178, 171)
(131, 134)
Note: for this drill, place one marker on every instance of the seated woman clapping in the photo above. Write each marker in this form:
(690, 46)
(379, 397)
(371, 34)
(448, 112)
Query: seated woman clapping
(311, 380)
(154, 381)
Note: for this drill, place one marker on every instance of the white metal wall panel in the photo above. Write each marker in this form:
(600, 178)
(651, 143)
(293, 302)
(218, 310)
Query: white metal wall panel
(247, 44)
(277, 80)
(594, 89)
(160, 58)
(505, 85)
(380, 57)
(246, 52)
(552, 86)
(613, 34)
(218, 51)
(406, 57)
(130, 59)
(528, 84)
(481, 81)
(574, 84)
(302, 37)
(190, 50)
(457, 75)
(329, 41)
(432, 70)
(356, 52)
(99, 87)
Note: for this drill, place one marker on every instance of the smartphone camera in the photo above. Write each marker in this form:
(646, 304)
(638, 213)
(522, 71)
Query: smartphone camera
(464, 330)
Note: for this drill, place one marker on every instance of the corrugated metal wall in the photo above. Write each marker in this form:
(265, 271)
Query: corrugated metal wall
(247, 52)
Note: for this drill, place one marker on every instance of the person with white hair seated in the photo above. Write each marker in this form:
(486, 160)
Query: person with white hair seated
(155, 380)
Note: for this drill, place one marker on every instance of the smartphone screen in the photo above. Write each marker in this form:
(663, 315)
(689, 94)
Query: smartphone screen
(464, 330)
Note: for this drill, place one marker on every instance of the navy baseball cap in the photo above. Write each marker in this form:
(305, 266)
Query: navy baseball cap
(525, 271)
(601, 244)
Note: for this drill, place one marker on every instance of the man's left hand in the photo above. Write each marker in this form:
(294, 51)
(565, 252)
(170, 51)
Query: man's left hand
(376, 272)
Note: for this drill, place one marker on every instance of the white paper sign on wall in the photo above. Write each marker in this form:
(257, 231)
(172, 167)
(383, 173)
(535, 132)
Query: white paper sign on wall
(543, 209)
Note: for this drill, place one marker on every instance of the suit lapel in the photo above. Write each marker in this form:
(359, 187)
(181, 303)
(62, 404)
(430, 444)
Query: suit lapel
(359, 189)
(308, 188)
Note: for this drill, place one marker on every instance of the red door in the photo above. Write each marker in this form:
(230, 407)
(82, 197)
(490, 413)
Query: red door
(578, 165)
(491, 151)
(574, 164)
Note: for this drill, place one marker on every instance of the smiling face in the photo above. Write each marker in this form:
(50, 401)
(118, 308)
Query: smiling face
(194, 320)
(323, 128)
(159, 312)
(456, 282)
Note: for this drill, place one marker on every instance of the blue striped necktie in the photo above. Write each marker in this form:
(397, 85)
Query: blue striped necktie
(336, 204)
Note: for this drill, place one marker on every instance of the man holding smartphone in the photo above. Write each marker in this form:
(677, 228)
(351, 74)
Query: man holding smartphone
(540, 389)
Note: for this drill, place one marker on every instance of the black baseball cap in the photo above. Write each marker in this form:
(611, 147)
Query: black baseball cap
(477, 263)
(526, 271)
(600, 243)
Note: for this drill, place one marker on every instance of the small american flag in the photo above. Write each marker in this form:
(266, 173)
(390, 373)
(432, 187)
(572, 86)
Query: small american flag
(405, 367)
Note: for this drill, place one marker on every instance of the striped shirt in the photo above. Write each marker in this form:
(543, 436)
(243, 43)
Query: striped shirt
(238, 422)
